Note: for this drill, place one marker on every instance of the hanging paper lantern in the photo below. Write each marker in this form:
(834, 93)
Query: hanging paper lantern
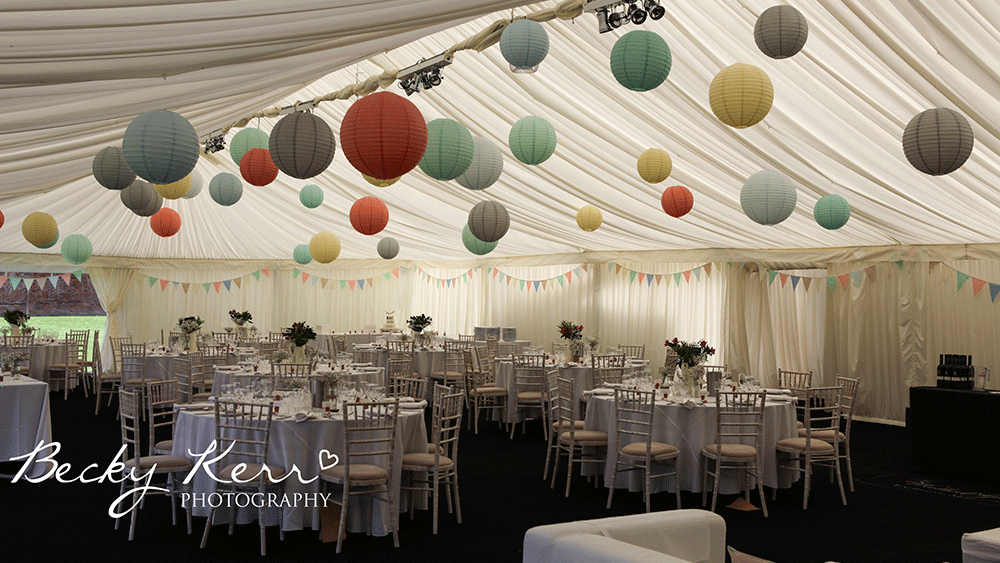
(449, 150)
(165, 222)
(474, 245)
(52, 243)
(832, 211)
(175, 190)
(780, 31)
(39, 228)
(384, 135)
(301, 254)
(640, 60)
(654, 165)
(139, 195)
(152, 206)
(161, 146)
(1, 218)
(244, 140)
(589, 218)
(258, 168)
(532, 140)
(486, 167)
(369, 215)
(225, 188)
(524, 44)
(741, 95)
(388, 248)
(324, 247)
(301, 145)
(111, 170)
(197, 182)
(677, 201)
(380, 183)
(76, 249)
(937, 141)
(489, 221)
(311, 196)
(768, 197)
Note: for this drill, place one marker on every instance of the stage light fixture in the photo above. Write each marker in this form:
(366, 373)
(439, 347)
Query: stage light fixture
(611, 14)
(215, 143)
(655, 10)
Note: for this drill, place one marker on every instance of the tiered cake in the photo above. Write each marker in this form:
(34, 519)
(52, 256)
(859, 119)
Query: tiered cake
(390, 322)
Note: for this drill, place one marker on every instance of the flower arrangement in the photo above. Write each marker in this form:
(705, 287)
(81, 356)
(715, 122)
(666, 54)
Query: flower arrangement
(299, 334)
(570, 331)
(240, 319)
(592, 342)
(10, 359)
(418, 323)
(332, 380)
(688, 354)
(16, 317)
(296, 383)
(190, 325)
(280, 355)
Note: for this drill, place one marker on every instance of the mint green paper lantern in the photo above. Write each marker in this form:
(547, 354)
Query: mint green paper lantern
(832, 211)
(244, 140)
(768, 197)
(161, 147)
(449, 150)
(311, 196)
(76, 249)
(524, 44)
(225, 188)
(475, 245)
(640, 60)
(532, 140)
(301, 254)
(486, 167)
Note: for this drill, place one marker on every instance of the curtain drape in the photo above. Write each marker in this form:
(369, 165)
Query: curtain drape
(112, 287)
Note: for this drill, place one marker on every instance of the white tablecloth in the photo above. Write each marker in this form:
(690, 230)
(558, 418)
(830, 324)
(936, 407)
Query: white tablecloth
(425, 362)
(24, 419)
(582, 377)
(299, 444)
(42, 358)
(323, 340)
(375, 376)
(690, 430)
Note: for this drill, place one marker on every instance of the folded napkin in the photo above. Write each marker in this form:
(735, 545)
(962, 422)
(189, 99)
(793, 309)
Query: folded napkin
(229, 368)
(600, 391)
(413, 405)
(785, 398)
(303, 416)
(691, 403)
(195, 406)
(777, 392)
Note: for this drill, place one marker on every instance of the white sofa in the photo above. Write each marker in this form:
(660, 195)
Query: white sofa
(676, 536)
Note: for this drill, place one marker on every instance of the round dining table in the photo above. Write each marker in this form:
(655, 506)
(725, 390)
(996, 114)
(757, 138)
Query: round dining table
(25, 420)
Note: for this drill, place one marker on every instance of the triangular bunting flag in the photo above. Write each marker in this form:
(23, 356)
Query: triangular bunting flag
(469, 272)
(305, 276)
(396, 273)
(783, 278)
(521, 284)
(217, 285)
(465, 277)
(508, 280)
(830, 280)
(370, 281)
(677, 279)
(899, 264)
(771, 274)
(977, 286)
(323, 282)
(870, 270)
(543, 284)
(206, 287)
(267, 273)
(994, 290)
(697, 272)
(14, 282)
(351, 283)
(611, 266)
(176, 284)
(315, 279)
(343, 284)
(961, 279)
(152, 281)
(228, 284)
(386, 275)
(503, 275)
(576, 271)
(631, 276)
(642, 277)
(808, 282)
(30, 282)
(295, 273)
(708, 269)
(495, 272)
(930, 266)
(186, 287)
(361, 284)
(256, 275)
(53, 280)
(65, 278)
(562, 280)
(3, 280)
(857, 277)
(584, 267)
(78, 274)
(163, 284)
(843, 279)
(618, 269)
(449, 283)
(649, 280)
(536, 282)
(795, 282)
(687, 276)
(659, 279)
(569, 277)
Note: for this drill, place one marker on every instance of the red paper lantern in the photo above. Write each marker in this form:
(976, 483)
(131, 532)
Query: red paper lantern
(257, 167)
(677, 201)
(165, 222)
(369, 215)
(1, 218)
(383, 135)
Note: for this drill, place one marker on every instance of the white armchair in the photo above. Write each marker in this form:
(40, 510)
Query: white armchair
(676, 536)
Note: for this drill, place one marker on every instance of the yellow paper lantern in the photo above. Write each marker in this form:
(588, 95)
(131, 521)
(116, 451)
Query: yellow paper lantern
(589, 218)
(741, 95)
(39, 228)
(380, 183)
(174, 190)
(654, 165)
(324, 247)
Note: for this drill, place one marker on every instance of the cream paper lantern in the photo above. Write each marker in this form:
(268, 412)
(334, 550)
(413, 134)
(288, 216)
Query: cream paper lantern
(324, 247)
(589, 218)
(197, 183)
(654, 165)
(741, 95)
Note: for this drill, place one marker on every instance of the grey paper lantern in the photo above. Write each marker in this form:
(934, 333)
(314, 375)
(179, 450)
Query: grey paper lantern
(152, 207)
(197, 183)
(302, 145)
(449, 150)
(388, 248)
(524, 44)
(486, 167)
(937, 141)
(111, 170)
(768, 197)
(780, 31)
(161, 146)
(489, 221)
(225, 188)
(532, 140)
(138, 195)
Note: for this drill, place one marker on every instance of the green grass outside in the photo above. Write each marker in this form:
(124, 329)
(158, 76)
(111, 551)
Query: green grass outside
(61, 325)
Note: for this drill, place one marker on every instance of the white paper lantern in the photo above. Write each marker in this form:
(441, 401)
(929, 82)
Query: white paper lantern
(197, 183)
(486, 167)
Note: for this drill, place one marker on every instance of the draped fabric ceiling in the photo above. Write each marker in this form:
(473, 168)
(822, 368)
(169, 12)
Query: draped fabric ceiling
(76, 72)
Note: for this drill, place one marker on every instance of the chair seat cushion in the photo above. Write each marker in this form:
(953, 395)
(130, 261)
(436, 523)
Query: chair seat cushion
(656, 449)
(800, 444)
(361, 473)
(62, 367)
(251, 472)
(199, 396)
(585, 436)
(422, 461)
(731, 451)
(577, 425)
(164, 463)
(825, 435)
(490, 391)
(530, 396)
(430, 449)
(135, 382)
(163, 446)
(448, 375)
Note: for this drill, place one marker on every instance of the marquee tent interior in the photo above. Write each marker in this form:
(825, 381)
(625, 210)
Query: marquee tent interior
(913, 273)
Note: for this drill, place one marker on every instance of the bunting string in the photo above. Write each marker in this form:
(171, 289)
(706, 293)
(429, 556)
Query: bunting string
(27, 282)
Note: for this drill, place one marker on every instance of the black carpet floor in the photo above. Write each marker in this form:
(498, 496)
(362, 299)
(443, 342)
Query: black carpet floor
(502, 496)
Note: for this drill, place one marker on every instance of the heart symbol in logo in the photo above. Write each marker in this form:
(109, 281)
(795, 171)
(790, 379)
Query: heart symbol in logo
(327, 460)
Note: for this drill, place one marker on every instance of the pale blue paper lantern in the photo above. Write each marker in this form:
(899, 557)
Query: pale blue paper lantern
(225, 188)
(301, 254)
(197, 183)
(111, 170)
(76, 249)
(449, 150)
(486, 167)
(832, 211)
(524, 44)
(768, 197)
(388, 248)
(489, 221)
(311, 196)
(474, 245)
(161, 146)
(244, 140)
(532, 140)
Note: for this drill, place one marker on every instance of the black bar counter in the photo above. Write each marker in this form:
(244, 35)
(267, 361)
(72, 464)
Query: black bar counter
(956, 432)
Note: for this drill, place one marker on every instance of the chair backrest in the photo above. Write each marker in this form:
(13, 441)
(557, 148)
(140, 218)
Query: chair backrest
(456, 345)
(160, 399)
(563, 412)
(174, 337)
(485, 374)
(365, 355)
(493, 346)
(795, 380)
(399, 347)
(413, 387)
(184, 377)
(82, 337)
(637, 351)
(507, 349)
(208, 361)
(820, 410)
(247, 428)
(129, 410)
(713, 377)
(850, 386)
(75, 351)
(454, 356)
(116, 350)
(739, 418)
(133, 360)
(276, 336)
(21, 345)
(607, 368)
(219, 351)
(529, 372)
(634, 416)
(446, 421)
(339, 345)
(98, 364)
(369, 432)
(467, 337)
(470, 370)
(291, 370)
(267, 347)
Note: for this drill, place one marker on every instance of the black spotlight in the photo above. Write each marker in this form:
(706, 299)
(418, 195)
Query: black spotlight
(602, 21)
(409, 85)
(655, 10)
(638, 16)
(616, 19)
(435, 77)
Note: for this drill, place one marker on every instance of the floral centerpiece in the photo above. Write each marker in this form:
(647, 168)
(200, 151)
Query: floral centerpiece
(9, 360)
(299, 334)
(592, 343)
(684, 360)
(17, 319)
(189, 326)
(573, 333)
(280, 355)
(240, 319)
(417, 324)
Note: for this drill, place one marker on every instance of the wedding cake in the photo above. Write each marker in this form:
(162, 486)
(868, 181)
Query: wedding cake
(390, 322)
